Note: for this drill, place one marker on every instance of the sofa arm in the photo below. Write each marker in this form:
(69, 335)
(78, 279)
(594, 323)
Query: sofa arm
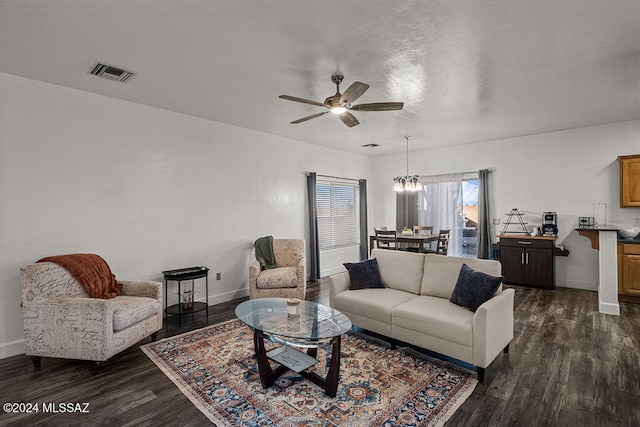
(67, 327)
(91, 310)
(254, 271)
(492, 327)
(142, 289)
(301, 273)
(338, 283)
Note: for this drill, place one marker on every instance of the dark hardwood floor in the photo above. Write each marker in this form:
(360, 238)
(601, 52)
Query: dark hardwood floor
(568, 365)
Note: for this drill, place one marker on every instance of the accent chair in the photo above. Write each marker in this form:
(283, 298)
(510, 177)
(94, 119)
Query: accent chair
(61, 320)
(288, 279)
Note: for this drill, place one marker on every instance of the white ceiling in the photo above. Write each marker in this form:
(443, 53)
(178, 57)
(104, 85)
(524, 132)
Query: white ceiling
(467, 71)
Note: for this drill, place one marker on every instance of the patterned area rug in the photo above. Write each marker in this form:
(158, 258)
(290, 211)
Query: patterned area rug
(216, 369)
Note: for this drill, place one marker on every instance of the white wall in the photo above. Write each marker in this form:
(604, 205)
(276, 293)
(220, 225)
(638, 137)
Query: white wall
(565, 172)
(151, 190)
(147, 189)
(331, 261)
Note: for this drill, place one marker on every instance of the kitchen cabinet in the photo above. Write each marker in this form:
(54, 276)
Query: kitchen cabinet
(629, 181)
(629, 272)
(528, 260)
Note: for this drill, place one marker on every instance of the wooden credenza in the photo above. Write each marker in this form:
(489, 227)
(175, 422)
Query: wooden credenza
(629, 272)
(528, 260)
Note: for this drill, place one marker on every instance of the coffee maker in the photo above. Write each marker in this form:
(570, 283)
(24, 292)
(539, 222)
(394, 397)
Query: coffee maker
(549, 224)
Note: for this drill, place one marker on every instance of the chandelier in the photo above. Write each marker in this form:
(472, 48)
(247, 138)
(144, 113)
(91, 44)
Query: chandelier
(407, 182)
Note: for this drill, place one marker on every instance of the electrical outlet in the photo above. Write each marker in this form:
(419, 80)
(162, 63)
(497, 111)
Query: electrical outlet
(218, 276)
(496, 221)
(636, 222)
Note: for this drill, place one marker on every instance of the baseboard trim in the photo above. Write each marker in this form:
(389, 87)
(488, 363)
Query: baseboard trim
(12, 348)
(226, 296)
(575, 284)
(609, 308)
(331, 271)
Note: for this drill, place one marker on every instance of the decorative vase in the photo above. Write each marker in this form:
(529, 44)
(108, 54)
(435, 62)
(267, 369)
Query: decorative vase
(600, 214)
(187, 299)
(293, 307)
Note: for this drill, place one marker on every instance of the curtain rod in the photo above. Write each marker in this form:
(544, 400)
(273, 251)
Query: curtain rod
(490, 170)
(334, 177)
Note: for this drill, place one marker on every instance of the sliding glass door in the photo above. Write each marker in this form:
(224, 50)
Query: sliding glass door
(449, 202)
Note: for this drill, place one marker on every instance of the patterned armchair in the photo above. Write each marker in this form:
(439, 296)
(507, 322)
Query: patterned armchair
(288, 279)
(60, 320)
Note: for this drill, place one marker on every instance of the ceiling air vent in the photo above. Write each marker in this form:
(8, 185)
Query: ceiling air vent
(110, 72)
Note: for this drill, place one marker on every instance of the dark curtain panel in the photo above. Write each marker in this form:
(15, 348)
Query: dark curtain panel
(484, 215)
(364, 239)
(314, 247)
(406, 209)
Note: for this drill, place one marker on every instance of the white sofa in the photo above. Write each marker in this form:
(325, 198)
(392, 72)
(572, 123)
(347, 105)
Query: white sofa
(414, 307)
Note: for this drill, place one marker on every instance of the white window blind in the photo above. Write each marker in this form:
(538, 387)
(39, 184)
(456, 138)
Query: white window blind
(338, 205)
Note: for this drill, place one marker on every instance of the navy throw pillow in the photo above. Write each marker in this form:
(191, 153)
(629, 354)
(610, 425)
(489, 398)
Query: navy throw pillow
(364, 274)
(474, 288)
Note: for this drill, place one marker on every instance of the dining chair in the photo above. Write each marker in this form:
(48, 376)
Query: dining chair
(443, 243)
(419, 247)
(387, 239)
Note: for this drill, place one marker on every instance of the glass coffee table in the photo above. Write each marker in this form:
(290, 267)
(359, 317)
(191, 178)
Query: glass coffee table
(307, 326)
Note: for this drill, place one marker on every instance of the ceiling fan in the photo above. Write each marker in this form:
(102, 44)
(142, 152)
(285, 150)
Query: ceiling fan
(339, 104)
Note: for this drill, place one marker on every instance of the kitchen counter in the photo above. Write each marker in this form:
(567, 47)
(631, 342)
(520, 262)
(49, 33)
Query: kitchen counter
(592, 232)
(635, 241)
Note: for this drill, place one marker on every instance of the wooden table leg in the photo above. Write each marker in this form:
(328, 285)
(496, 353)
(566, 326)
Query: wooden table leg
(333, 376)
(264, 368)
(267, 375)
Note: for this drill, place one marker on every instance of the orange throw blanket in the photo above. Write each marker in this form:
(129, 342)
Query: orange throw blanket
(91, 271)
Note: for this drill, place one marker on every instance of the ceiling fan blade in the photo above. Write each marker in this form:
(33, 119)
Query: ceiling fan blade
(378, 106)
(304, 119)
(304, 101)
(349, 119)
(353, 92)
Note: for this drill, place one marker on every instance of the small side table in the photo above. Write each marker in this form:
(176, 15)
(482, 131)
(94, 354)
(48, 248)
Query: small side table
(186, 307)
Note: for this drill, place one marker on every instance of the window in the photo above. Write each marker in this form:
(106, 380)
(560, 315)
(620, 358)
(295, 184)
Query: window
(338, 214)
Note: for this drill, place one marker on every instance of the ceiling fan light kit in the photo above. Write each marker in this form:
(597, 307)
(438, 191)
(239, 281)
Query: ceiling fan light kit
(407, 182)
(339, 104)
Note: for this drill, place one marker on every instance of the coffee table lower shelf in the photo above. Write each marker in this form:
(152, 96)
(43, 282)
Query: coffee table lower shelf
(292, 359)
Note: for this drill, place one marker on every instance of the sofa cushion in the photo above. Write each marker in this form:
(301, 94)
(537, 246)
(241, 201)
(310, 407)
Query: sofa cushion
(276, 278)
(364, 274)
(474, 288)
(372, 303)
(400, 270)
(288, 252)
(441, 273)
(436, 317)
(128, 311)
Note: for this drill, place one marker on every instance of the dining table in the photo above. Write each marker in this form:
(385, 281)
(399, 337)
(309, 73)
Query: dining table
(414, 238)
